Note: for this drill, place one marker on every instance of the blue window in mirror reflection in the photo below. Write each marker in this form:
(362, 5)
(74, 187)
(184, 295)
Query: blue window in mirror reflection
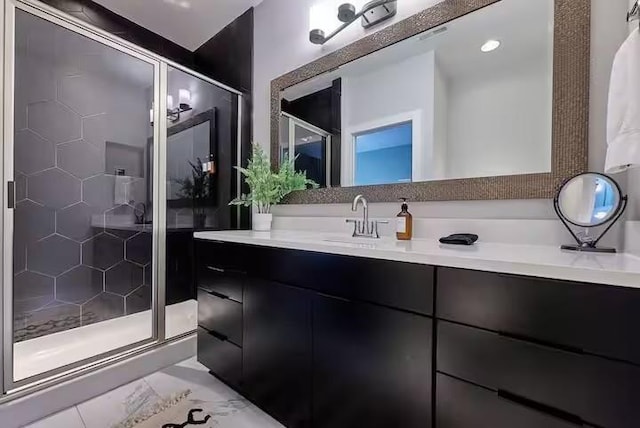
(604, 201)
(384, 155)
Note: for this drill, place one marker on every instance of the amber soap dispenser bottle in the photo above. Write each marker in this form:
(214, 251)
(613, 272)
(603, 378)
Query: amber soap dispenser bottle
(404, 223)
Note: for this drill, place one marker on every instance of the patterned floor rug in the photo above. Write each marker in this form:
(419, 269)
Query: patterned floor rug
(183, 411)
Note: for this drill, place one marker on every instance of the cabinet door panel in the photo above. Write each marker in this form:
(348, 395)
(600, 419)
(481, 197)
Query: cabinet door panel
(277, 350)
(372, 366)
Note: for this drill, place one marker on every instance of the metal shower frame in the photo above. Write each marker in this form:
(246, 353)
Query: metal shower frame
(21, 388)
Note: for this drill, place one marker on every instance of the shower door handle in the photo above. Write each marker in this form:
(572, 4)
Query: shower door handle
(11, 194)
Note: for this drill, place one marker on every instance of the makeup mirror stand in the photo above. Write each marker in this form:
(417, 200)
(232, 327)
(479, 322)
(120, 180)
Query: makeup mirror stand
(607, 211)
(585, 244)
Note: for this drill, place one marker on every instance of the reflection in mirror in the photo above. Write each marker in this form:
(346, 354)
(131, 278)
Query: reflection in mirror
(190, 144)
(589, 200)
(470, 98)
(311, 146)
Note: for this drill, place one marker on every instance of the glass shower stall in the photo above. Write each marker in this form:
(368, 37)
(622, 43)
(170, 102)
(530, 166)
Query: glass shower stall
(112, 156)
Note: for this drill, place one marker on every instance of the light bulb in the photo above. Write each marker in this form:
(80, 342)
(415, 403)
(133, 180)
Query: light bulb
(490, 45)
(323, 15)
(184, 97)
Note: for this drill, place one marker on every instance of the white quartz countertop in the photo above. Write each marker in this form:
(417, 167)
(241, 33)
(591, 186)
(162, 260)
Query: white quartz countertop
(532, 260)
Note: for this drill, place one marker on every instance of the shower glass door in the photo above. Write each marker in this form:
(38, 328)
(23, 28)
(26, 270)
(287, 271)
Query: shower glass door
(81, 244)
(309, 145)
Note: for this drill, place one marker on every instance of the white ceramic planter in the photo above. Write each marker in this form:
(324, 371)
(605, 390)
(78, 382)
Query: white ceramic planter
(262, 222)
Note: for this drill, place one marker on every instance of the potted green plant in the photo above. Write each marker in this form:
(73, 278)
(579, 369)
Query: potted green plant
(267, 187)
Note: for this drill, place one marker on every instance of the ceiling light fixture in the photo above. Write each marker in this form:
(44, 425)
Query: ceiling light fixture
(180, 3)
(490, 45)
(372, 13)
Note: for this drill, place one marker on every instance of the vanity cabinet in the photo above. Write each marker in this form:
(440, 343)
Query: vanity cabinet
(553, 345)
(327, 340)
(331, 341)
(371, 365)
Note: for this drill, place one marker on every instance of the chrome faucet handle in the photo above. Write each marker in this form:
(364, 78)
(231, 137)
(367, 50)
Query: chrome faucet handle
(375, 224)
(356, 225)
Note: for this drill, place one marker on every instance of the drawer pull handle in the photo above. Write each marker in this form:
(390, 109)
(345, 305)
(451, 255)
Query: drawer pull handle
(225, 271)
(218, 295)
(560, 414)
(218, 336)
(539, 342)
(328, 296)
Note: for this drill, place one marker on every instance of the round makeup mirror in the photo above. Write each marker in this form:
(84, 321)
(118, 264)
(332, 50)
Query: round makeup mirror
(589, 200)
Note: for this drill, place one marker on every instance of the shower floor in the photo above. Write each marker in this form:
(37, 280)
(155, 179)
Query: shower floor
(42, 354)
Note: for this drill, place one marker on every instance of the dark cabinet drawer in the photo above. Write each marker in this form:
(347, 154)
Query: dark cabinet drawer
(598, 319)
(462, 405)
(221, 268)
(222, 357)
(228, 256)
(220, 315)
(225, 282)
(401, 285)
(597, 390)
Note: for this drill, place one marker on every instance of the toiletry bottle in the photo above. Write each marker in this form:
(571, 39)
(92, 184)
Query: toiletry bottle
(404, 223)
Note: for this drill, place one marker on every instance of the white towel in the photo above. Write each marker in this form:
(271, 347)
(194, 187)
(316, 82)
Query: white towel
(623, 118)
(120, 190)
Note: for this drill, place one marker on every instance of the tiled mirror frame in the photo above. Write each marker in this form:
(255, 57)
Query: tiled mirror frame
(570, 110)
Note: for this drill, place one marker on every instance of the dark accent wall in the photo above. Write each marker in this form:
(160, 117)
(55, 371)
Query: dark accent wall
(228, 58)
(229, 54)
(314, 108)
(107, 20)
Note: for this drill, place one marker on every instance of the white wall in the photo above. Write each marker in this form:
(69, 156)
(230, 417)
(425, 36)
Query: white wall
(499, 123)
(380, 97)
(281, 45)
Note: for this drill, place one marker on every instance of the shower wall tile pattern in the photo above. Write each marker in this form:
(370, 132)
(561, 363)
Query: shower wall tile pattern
(72, 267)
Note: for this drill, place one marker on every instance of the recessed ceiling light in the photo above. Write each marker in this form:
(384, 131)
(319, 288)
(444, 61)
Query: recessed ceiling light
(490, 45)
(180, 3)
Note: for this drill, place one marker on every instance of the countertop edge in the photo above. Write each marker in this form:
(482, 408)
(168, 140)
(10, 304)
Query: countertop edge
(459, 261)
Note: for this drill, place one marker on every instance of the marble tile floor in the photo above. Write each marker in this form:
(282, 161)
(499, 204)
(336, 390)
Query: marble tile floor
(229, 409)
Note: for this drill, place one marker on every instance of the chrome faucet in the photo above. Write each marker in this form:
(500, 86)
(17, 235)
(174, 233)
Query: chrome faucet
(364, 228)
